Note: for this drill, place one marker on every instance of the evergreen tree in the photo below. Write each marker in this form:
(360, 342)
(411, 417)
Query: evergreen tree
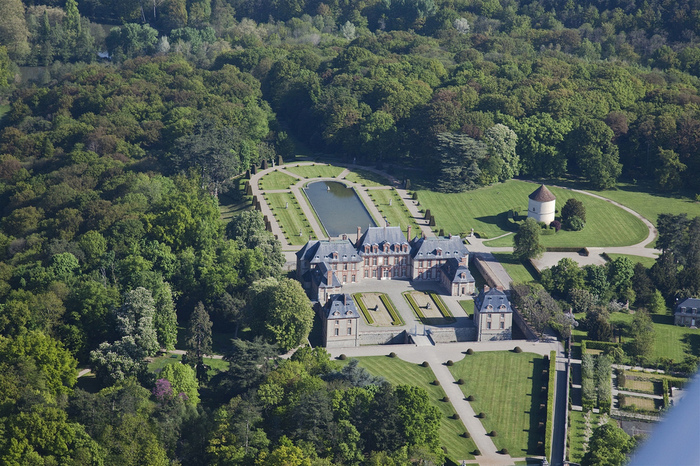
(526, 241)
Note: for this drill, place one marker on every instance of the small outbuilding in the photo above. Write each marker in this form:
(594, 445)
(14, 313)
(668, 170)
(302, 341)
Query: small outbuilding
(340, 318)
(686, 313)
(542, 205)
(493, 315)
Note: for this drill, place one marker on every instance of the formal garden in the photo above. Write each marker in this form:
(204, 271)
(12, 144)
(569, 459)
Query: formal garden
(508, 388)
(288, 213)
(393, 209)
(378, 309)
(429, 307)
(397, 371)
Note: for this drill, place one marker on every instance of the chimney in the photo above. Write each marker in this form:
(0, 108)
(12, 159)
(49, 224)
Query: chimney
(486, 288)
(330, 277)
(423, 235)
(408, 232)
(359, 234)
(345, 237)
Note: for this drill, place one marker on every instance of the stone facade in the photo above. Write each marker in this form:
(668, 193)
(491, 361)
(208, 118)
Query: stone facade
(686, 313)
(383, 253)
(542, 205)
(340, 318)
(493, 315)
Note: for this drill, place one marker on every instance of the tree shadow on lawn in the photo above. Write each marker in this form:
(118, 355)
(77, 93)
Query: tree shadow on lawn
(501, 221)
(662, 319)
(693, 342)
(538, 414)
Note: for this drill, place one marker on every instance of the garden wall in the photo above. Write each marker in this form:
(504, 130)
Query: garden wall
(519, 321)
(382, 338)
(451, 335)
(483, 267)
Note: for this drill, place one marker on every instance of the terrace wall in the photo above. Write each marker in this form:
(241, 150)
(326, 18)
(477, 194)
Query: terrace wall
(452, 334)
(387, 337)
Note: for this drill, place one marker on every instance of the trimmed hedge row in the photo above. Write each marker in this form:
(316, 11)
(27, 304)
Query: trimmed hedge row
(395, 316)
(413, 304)
(598, 345)
(442, 307)
(551, 390)
(358, 300)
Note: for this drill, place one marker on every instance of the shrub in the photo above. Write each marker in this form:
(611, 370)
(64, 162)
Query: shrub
(574, 224)
(556, 224)
(465, 434)
(342, 357)
(442, 232)
(518, 349)
(425, 364)
(503, 451)
(493, 433)
(436, 382)
(481, 415)
(415, 196)
(476, 452)
(460, 382)
(455, 416)
(427, 214)
(446, 399)
(573, 208)
(392, 355)
(470, 398)
(432, 221)
(470, 351)
(449, 362)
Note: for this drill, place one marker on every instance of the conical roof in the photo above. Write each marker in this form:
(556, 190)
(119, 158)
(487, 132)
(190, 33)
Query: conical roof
(542, 194)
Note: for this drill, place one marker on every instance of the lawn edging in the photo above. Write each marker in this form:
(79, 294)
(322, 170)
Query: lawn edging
(357, 297)
(446, 314)
(551, 389)
(395, 316)
(414, 305)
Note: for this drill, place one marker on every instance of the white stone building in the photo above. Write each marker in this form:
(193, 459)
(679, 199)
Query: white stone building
(542, 205)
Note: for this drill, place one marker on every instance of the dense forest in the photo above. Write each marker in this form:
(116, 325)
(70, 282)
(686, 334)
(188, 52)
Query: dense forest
(142, 112)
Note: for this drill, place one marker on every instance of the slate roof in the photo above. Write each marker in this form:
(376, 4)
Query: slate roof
(381, 236)
(495, 298)
(542, 194)
(427, 248)
(453, 271)
(317, 251)
(687, 305)
(320, 276)
(341, 306)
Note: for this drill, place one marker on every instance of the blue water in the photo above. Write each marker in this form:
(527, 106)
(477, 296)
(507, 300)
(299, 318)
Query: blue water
(338, 207)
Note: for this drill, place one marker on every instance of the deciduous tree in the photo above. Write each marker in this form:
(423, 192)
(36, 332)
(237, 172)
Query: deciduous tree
(526, 241)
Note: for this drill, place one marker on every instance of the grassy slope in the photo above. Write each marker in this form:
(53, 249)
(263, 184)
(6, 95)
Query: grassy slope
(397, 214)
(506, 386)
(517, 271)
(366, 178)
(276, 180)
(485, 210)
(673, 342)
(316, 171)
(291, 220)
(646, 261)
(398, 372)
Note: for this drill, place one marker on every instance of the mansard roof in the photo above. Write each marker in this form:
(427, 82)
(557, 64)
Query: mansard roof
(317, 251)
(341, 306)
(455, 272)
(687, 305)
(440, 247)
(491, 301)
(542, 194)
(320, 276)
(381, 236)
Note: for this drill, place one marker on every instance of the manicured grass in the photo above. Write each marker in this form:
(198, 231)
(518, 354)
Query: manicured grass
(485, 210)
(230, 207)
(576, 430)
(425, 315)
(276, 180)
(291, 219)
(315, 171)
(507, 388)
(366, 178)
(646, 261)
(650, 205)
(397, 214)
(672, 341)
(516, 269)
(400, 372)
(215, 365)
(468, 306)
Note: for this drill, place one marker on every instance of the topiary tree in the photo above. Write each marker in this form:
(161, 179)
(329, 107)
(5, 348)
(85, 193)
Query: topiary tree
(493, 433)
(436, 382)
(392, 355)
(573, 208)
(427, 214)
(460, 382)
(446, 399)
(425, 364)
(470, 398)
(470, 351)
(465, 434)
(342, 357)
(503, 451)
(481, 415)
(455, 416)
(450, 362)
(476, 452)
(517, 349)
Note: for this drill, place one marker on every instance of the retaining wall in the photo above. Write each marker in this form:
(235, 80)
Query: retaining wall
(382, 338)
(451, 335)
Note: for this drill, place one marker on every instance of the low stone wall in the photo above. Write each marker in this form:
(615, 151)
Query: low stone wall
(483, 267)
(451, 335)
(382, 338)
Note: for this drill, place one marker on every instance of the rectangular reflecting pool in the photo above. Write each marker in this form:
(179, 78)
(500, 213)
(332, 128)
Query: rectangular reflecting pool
(338, 207)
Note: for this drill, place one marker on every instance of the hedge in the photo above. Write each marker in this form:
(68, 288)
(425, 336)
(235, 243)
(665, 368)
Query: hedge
(442, 307)
(395, 316)
(414, 305)
(598, 345)
(664, 384)
(358, 300)
(549, 422)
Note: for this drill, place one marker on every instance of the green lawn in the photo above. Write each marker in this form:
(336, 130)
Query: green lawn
(468, 306)
(507, 387)
(230, 207)
(276, 180)
(517, 271)
(672, 341)
(576, 434)
(650, 205)
(291, 219)
(3, 110)
(485, 210)
(215, 365)
(397, 214)
(366, 178)
(318, 170)
(646, 261)
(400, 372)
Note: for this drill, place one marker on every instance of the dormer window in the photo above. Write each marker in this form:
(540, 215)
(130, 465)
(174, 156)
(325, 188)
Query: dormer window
(366, 247)
(439, 251)
(335, 255)
(502, 307)
(386, 247)
(489, 307)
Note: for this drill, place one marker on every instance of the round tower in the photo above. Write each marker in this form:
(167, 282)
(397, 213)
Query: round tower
(542, 205)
